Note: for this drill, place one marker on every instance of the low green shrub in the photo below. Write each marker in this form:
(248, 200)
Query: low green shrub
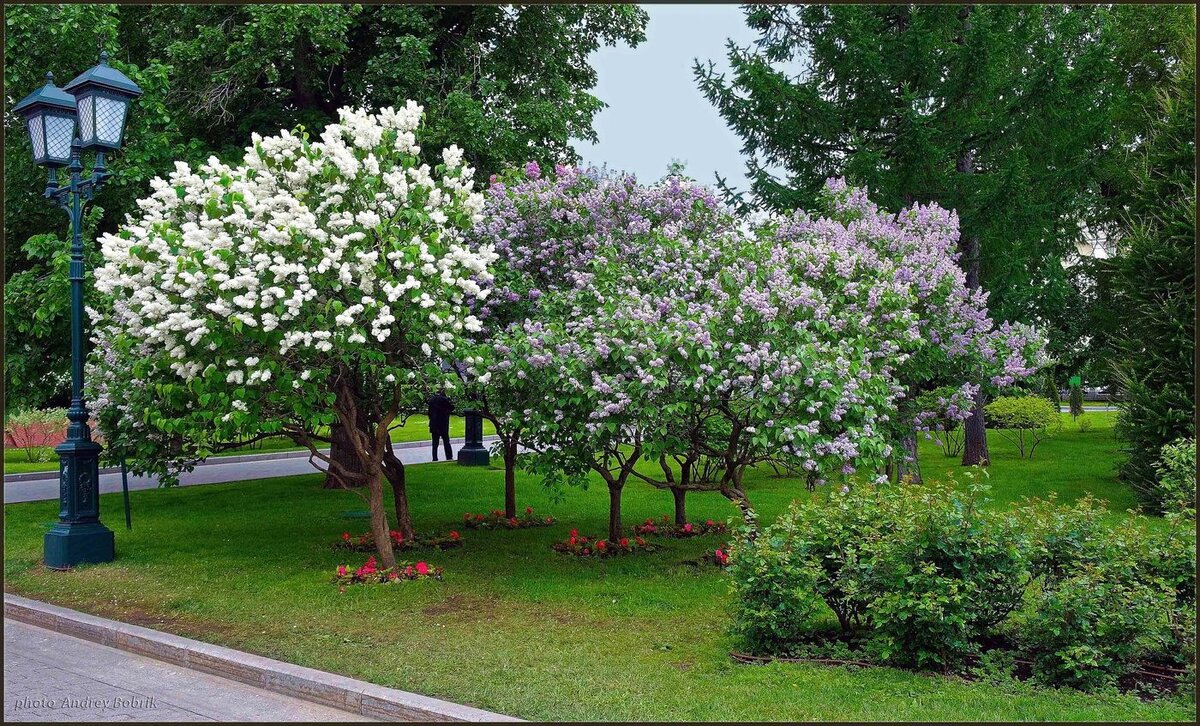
(775, 598)
(945, 574)
(1089, 628)
(1026, 420)
(921, 566)
(1084, 423)
(1176, 470)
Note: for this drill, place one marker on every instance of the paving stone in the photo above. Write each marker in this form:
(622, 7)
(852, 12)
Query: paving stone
(49, 676)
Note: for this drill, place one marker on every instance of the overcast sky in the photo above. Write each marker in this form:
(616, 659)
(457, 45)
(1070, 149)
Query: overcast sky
(655, 111)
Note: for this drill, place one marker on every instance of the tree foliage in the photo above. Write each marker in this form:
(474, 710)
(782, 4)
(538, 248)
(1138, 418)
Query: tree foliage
(511, 82)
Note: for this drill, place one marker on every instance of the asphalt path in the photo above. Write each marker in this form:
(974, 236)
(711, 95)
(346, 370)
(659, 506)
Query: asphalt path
(215, 471)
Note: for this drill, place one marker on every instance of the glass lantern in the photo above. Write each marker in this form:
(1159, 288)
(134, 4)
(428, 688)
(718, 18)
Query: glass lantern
(49, 114)
(102, 95)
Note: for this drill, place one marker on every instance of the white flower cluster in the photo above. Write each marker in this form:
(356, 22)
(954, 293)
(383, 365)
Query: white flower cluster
(308, 249)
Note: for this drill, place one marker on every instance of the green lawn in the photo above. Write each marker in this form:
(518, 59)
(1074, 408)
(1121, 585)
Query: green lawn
(416, 428)
(515, 627)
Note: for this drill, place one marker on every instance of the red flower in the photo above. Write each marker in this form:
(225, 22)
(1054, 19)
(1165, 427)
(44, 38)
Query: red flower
(529, 510)
(422, 568)
(687, 527)
(549, 520)
(664, 518)
(640, 541)
(408, 571)
(602, 545)
(345, 536)
(513, 521)
(709, 523)
(721, 557)
(392, 576)
(453, 535)
(624, 542)
(574, 533)
(478, 517)
(585, 552)
(572, 540)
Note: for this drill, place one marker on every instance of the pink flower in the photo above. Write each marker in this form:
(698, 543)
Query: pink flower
(341, 570)
(408, 571)
(709, 523)
(721, 557)
(422, 568)
(687, 527)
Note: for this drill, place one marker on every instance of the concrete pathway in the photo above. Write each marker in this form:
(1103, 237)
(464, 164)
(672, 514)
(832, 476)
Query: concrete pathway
(53, 677)
(214, 471)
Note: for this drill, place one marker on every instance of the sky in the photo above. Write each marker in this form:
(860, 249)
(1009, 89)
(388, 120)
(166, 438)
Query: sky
(655, 111)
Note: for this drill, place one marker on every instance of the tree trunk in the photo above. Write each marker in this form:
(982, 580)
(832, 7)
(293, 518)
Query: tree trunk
(394, 469)
(975, 449)
(614, 512)
(379, 523)
(907, 464)
(680, 507)
(341, 451)
(510, 478)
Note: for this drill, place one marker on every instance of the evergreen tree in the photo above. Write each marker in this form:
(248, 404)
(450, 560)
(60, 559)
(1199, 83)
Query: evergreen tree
(1155, 289)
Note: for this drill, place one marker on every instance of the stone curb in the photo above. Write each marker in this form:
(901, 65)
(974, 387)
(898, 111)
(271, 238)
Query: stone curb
(52, 474)
(329, 689)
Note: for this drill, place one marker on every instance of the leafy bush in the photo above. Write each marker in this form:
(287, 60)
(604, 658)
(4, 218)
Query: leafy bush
(1084, 423)
(35, 431)
(923, 566)
(945, 575)
(1089, 628)
(1050, 389)
(774, 594)
(1107, 596)
(1026, 420)
(1176, 470)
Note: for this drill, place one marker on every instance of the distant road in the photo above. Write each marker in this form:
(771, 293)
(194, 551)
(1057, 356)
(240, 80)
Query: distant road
(216, 470)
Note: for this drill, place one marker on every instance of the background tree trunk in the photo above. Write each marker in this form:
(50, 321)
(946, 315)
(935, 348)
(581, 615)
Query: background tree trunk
(975, 448)
(614, 512)
(342, 452)
(680, 507)
(907, 464)
(510, 478)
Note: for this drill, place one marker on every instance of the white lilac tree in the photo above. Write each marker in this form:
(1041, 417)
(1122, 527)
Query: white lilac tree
(317, 282)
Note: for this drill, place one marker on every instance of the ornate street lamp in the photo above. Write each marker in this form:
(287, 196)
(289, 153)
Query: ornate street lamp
(98, 101)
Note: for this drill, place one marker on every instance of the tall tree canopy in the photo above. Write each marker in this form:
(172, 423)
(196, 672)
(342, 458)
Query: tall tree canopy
(502, 83)
(1001, 112)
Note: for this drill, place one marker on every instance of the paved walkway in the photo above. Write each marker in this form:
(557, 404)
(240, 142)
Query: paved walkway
(213, 471)
(53, 677)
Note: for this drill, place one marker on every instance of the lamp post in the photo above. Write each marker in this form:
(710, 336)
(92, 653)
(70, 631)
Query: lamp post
(473, 452)
(97, 102)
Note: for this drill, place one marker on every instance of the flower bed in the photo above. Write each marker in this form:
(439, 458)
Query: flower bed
(665, 528)
(581, 546)
(365, 542)
(718, 557)
(370, 574)
(496, 520)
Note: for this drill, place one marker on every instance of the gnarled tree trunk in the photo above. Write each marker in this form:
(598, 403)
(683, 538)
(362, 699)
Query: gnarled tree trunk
(342, 451)
(393, 468)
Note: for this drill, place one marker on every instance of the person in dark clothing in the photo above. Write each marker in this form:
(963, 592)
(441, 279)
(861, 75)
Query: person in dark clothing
(440, 408)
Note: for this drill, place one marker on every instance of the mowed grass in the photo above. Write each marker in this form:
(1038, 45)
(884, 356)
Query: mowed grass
(514, 627)
(416, 428)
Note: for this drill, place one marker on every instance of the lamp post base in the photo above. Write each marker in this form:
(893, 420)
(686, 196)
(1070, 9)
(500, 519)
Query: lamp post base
(473, 457)
(68, 544)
